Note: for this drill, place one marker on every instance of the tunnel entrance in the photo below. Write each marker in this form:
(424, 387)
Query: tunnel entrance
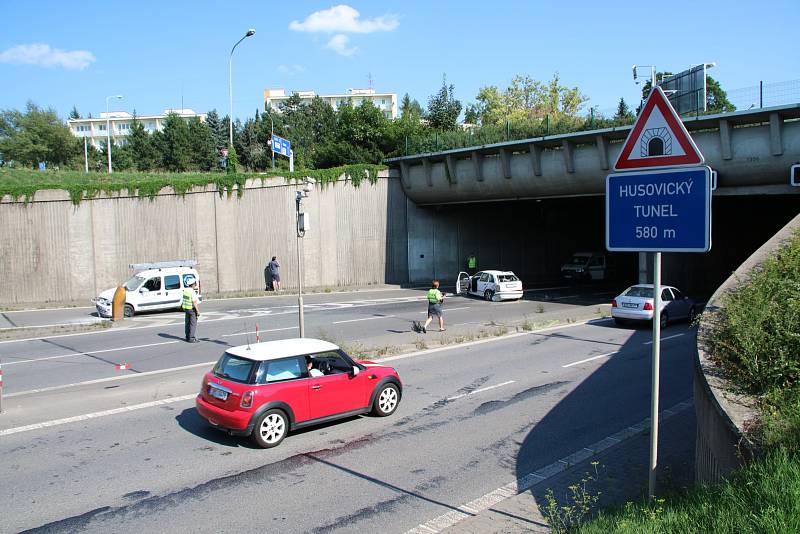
(534, 238)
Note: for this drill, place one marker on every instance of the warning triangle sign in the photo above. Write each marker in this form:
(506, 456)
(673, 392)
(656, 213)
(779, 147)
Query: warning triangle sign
(658, 138)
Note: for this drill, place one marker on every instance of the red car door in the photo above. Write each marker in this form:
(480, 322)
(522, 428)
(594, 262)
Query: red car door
(336, 391)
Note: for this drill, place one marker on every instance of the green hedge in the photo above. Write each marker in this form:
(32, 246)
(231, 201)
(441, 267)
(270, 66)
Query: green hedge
(23, 183)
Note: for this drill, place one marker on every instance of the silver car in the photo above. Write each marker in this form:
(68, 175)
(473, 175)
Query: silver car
(636, 304)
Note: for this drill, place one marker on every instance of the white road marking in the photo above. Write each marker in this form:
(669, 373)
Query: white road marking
(261, 331)
(110, 379)
(663, 339)
(362, 319)
(33, 360)
(481, 390)
(521, 484)
(90, 322)
(95, 415)
(590, 359)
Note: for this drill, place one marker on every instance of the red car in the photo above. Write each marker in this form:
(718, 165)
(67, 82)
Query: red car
(265, 390)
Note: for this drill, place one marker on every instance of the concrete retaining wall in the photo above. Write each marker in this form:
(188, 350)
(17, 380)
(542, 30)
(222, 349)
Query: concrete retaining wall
(54, 251)
(721, 444)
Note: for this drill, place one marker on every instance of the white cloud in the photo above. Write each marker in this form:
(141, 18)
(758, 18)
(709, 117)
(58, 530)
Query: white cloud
(291, 69)
(44, 56)
(344, 19)
(338, 44)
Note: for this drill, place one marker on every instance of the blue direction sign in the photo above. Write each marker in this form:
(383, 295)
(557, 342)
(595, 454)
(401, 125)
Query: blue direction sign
(281, 146)
(659, 211)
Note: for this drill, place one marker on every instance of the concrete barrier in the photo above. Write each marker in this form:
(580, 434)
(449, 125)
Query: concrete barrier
(54, 251)
(722, 443)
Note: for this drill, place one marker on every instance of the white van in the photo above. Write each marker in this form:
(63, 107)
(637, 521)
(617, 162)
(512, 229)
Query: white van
(155, 286)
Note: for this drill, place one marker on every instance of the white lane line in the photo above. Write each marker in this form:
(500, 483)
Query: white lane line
(363, 319)
(592, 358)
(521, 484)
(480, 390)
(261, 331)
(34, 360)
(381, 360)
(95, 415)
(110, 379)
(663, 339)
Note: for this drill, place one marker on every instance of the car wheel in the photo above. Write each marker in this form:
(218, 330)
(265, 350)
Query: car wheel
(270, 429)
(692, 315)
(664, 320)
(128, 311)
(488, 294)
(386, 400)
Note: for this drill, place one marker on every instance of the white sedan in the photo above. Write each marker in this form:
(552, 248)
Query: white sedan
(491, 285)
(636, 304)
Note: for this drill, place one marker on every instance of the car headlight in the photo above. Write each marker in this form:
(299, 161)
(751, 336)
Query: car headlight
(103, 302)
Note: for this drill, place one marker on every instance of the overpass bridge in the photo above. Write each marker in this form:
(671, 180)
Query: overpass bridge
(751, 151)
(527, 205)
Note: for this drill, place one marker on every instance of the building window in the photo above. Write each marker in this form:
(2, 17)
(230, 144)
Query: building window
(101, 127)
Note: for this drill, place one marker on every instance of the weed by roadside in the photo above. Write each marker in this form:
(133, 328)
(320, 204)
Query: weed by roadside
(577, 505)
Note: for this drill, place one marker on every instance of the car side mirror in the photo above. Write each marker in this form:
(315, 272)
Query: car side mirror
(354, 371)
(144, 290)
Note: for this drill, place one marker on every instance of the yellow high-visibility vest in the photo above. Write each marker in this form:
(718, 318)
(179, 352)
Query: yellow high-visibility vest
(434, 296)
(187, 299)
(472, 262)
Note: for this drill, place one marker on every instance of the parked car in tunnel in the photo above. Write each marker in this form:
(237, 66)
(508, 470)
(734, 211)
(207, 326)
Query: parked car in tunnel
(586, 266)
(636, 304)
(491, 285)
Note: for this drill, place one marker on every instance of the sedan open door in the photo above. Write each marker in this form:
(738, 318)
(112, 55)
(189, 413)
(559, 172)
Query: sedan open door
(462, 284)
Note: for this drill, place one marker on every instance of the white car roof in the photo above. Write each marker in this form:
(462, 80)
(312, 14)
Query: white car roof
(650, 286)
(282, 348)
(499, 272)
(167, 270)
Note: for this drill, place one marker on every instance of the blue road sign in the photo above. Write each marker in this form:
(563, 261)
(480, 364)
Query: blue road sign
(281, 146)
(659, 211)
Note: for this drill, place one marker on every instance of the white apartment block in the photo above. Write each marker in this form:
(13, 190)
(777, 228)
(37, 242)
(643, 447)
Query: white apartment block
(121, 123)
(386, 102)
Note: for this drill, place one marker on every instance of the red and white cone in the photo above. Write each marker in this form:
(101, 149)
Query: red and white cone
(122, 366)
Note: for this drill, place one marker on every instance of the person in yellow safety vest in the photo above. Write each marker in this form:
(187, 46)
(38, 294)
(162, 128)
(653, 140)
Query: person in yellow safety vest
(435, 300)
(191, 307)
(472, 263)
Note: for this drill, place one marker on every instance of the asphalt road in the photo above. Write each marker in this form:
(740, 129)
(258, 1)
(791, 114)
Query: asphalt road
(472, 419)
(365, 319)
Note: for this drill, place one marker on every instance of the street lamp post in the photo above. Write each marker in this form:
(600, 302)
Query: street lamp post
(301, 222)
(249, 33)
(271, 133)
(108, 132)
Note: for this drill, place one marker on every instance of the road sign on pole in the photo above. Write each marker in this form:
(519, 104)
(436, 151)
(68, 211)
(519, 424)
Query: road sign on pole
(666, 210)
(281, 146)
(659, 211)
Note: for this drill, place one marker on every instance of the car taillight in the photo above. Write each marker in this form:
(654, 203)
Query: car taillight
(247, 399)
(613, 303)
(203, 383)
(647, 306)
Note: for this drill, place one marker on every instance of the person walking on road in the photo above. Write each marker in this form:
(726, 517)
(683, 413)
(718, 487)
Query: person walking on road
(191, 307)
(435, 300)
(274, 272)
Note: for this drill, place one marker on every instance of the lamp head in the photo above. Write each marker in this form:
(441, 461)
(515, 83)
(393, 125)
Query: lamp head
(250, 32)
(309, 184)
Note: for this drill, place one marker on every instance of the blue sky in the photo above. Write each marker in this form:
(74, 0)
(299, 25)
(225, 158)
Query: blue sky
(161, 54)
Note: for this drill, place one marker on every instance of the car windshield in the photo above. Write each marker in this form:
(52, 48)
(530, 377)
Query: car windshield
(507, 278)
(579, 260)
(638, 291)
(234, 368)
(133, 283)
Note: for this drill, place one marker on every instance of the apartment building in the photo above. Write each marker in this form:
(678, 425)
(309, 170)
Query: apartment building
(386, 102)
(121, 123)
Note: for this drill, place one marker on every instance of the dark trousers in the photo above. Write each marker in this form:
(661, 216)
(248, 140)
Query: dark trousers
(191, 324)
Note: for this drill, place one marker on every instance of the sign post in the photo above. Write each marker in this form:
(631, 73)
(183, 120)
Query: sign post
(661, 203)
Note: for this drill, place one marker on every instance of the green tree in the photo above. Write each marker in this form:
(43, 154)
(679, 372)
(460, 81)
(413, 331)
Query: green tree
(410, 109)
(37, 135)
(233, 161)
(74, 114)
(716, 98)
(624, 115)
(204, 151)
(174, 144)
(443, 108)
(143, 150)
(218, 130)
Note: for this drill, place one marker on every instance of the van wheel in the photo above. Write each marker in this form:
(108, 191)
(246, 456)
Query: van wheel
(488, 294)
(270, 429)
(129, 311)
